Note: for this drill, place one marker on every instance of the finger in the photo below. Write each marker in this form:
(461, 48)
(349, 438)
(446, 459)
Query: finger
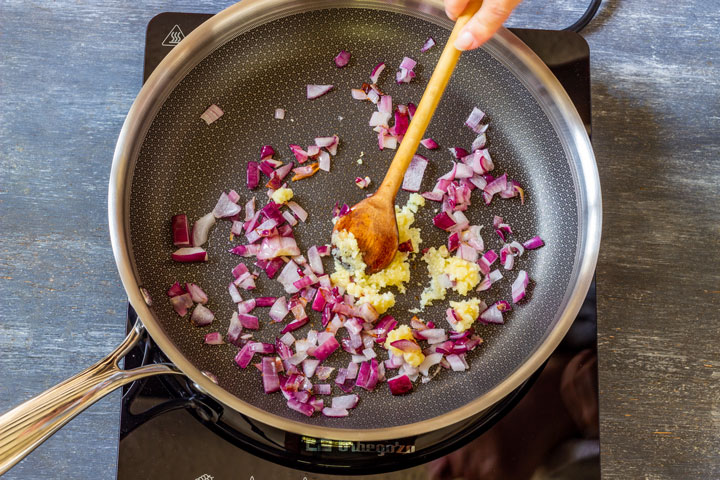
(485, 23)
(454, 8)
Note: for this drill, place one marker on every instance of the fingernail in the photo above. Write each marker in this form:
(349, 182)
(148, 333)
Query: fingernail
(464, 41)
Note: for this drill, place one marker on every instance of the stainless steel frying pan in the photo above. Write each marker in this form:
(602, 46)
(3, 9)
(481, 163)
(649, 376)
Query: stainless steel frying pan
(259, 55)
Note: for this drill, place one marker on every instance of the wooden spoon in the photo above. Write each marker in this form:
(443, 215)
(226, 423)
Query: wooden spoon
(372, 221)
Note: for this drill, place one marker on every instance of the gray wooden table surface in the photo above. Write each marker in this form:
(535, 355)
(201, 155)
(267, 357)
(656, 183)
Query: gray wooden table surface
(69, 71)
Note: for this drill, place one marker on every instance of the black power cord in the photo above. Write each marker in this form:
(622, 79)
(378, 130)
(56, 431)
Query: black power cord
(586, 17)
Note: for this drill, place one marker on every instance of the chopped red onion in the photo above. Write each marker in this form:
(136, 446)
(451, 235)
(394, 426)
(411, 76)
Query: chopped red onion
(211, 114)
(334, 412)
(333, 147)
(265, 301)
(309, 366)
(533, 243)
(290, 218)
(319, 302)
(266, 151)
(193, 254)
(368, 375)
(306, 171)
(322, 388)
(271, 380)
(429, 43)
(181, 233)
(373, 96)
(359, 94)
(369, 353)
(473, 121)
(400, 385)
(246, 281)
(486, 260)
(247, 306)
(245, 355)
(519, 286)
(234, 330)
(489, 279)
(303, 408)
(352, 371)
(493, 314)
(432, 335)
(245, 250)
(201, 228)
(463, 171)
(362, 182)
(249, 321)
(323, 373)
(315, 91)
(298, 210)
(239, 270)
(315, 261)
(225, 208)
(288, 338)
(414, 174)
(342, 59)
(201, 316)
(326, 349)
(253, 175)
(444, 221)
(376, 71)
(294, 325)
(197, 293)
(493, 187)
(456, 362)
(380, 119)
(181, 303)
(458, 152)
(434, 196)
(317, 403)
(516, 248)
(345, 401)
(395, 361)
(214, 338)
(312, 150)
(279, 113)
(324, 161)
(326, 141)
(430, 360)
(473, 238)
(272, 247)
(384, 106)
(405, 74)
(210, 376)
(233, 196)
(429, 143)
(406, 346)
(386, 141)
(176, 290)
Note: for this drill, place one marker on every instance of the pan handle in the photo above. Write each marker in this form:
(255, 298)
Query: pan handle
(31, 423)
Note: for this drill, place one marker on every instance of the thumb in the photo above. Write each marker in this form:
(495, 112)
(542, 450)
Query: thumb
(485, 23)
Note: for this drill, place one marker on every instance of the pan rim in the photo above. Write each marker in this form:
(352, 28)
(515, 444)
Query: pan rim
(251, 13)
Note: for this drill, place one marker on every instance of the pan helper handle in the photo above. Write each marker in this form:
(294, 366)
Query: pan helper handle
(31, 423)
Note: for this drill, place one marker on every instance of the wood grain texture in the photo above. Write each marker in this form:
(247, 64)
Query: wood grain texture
(69, 71)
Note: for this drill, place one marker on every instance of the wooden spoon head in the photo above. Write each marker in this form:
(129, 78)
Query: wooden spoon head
(374, 226)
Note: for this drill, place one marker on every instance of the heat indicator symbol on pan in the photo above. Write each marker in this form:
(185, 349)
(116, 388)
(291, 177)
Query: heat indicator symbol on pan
(174, 37)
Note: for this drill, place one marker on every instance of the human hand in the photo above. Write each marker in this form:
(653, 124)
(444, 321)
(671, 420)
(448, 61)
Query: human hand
(483, 24)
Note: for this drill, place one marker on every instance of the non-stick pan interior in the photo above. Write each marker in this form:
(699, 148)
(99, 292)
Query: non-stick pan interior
(184, 165)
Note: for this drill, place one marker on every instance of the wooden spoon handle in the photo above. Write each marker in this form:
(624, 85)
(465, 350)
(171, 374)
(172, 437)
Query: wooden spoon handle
(429, 101)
